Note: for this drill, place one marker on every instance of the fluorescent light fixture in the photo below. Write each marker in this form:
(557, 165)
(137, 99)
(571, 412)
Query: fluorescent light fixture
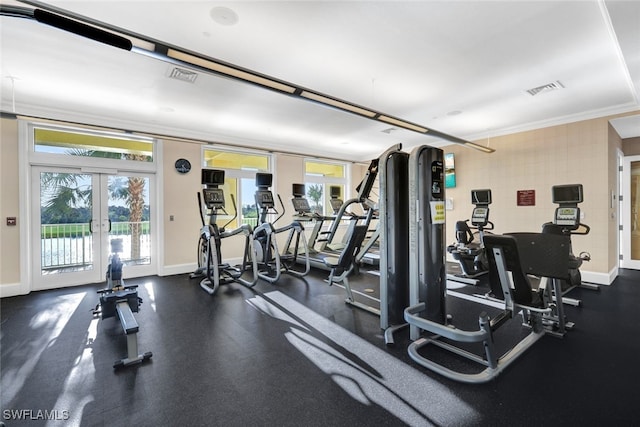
(338, 104)
(479, 147)
(142, 44)
(230, 71)
(403, 124)
(82, 29)
(122, 39)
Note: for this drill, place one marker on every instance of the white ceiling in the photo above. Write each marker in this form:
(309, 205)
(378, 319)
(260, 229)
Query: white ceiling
(460, 67)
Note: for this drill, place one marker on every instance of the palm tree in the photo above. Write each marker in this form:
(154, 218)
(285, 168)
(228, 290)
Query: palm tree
(65, 192)
(315, 194)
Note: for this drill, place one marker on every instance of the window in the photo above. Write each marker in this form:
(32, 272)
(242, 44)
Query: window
(326, 184)
(92, 144)
(239, 181)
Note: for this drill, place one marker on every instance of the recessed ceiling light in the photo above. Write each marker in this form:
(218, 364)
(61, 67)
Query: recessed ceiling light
(224, 16)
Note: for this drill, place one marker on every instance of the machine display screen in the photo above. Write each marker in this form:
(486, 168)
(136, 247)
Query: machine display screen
(265, 199)
(481, 197)
(334, 192)
(298, 190)
(213, 197)
(264, 180)
(301, 205)
(566, 216)
(480, 216)
(567, 193)
(212, 177)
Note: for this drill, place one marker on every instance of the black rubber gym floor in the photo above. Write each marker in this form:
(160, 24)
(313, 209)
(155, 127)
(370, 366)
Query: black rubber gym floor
(294, 354)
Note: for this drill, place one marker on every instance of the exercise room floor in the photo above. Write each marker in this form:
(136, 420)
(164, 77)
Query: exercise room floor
(294, 354)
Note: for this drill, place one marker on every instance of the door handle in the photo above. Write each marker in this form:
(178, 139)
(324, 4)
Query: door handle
(109, 231)
(91, 226)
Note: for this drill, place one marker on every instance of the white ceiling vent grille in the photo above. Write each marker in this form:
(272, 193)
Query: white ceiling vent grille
(183, 75)
(545, 88)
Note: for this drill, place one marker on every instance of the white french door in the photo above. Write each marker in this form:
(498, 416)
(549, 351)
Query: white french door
(75, 217)
(630, 235)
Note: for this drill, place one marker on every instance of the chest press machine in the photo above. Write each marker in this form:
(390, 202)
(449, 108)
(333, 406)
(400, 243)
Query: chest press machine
(512, 258)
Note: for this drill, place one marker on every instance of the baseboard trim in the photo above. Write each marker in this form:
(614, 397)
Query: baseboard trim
(170, 270)
(13, 289)
(599, 278)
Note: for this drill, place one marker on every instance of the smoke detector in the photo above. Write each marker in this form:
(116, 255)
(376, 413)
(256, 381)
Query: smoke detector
(545, 88)
(183, 75)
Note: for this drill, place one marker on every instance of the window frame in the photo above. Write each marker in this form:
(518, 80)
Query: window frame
(326, 181)
(238, 175)
(40, 158)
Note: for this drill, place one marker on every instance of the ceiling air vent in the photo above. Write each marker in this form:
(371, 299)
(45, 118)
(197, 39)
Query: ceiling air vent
(545, 88)
(183, 75)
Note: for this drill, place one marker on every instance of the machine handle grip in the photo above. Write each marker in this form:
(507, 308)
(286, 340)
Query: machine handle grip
(583, 229)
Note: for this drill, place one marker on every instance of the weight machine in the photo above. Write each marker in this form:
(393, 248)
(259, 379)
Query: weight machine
(546, 255)
(210, 263)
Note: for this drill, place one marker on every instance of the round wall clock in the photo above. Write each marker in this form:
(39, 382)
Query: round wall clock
(183, 165)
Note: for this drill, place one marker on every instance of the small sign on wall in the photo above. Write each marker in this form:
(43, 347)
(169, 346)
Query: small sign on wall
(526, 197)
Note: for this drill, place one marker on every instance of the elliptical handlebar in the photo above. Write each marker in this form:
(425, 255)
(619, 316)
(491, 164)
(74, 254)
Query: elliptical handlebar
(201, 210)
(283, 209)
(235, 212)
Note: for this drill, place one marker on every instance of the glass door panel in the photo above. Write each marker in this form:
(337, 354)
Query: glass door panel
(631, 213)
(129, 217)
(78, 216)
(63, 228)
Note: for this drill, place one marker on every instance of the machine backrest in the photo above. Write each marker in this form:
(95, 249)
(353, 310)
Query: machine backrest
(463, 233)
(540, 254)
(544, 254)
(551, 228)
(511, 256)
(352, 248)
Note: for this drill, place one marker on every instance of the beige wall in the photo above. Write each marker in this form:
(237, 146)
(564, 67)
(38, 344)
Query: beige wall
(631, 146)
(180, 201)
(9, 203)
(575, 153)
(582, 152)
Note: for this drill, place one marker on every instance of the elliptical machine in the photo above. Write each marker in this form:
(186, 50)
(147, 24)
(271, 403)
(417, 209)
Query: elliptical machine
(272, 262)
(566, 221)
(471, 255)
(210, 263)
